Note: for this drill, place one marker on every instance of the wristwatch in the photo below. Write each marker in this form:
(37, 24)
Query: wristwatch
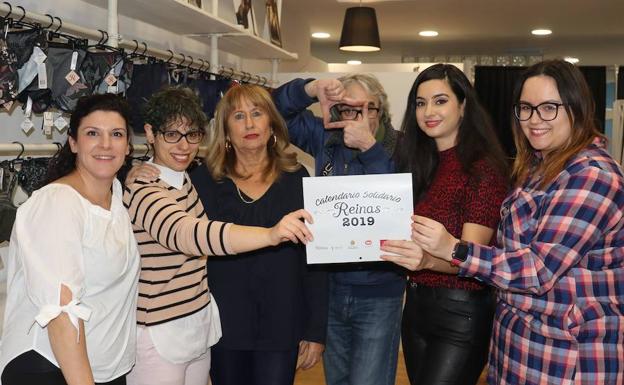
(460, 253)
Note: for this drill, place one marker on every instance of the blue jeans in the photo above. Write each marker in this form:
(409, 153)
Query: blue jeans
(362, 338)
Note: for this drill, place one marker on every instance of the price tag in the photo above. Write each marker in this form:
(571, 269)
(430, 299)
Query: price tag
(47, 130)
(48, 122)
(40, 56)
(27, 126)
(42, 75)
(110, 79)
(28, 111)
(72, 77)
(60, 123)
(74, 61)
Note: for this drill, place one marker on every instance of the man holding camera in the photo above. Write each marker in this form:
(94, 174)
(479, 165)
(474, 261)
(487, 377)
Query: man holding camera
(354, 137)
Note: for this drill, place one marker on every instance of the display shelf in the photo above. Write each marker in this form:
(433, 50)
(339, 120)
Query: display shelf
(182, 18)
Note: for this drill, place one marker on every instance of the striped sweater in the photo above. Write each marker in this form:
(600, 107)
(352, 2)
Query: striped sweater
(174, 237)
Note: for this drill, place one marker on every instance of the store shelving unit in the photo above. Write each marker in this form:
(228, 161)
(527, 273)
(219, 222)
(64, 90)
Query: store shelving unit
(182, 18)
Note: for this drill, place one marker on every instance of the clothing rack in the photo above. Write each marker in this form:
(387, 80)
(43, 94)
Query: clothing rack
(24, 149)
(50, 22)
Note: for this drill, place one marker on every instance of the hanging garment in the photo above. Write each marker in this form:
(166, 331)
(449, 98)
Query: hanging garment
(28, 72)
(146, 80)
(32, 174)
(8, 73)
(64, 94)
(107, 72)
(209, 92)
(21, 43)
(7, 208)
(29, 84)
(179, 77)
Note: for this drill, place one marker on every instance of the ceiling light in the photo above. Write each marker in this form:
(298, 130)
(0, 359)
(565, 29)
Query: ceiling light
(359, 30)
(428, 33)
(541, 32)
(320, 35)
(354, 62)
(571, 59)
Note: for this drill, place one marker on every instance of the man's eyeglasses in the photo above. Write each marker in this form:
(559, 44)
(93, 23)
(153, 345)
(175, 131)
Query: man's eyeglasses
(350, 113)
(174, 136)
(546, 111)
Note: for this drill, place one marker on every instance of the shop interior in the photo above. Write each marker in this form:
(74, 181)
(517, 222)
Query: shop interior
(271, 42)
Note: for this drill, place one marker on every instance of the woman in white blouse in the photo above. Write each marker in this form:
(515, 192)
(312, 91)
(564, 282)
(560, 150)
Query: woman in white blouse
(73, 263)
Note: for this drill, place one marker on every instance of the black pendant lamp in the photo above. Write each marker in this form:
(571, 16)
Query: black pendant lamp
(359, 30)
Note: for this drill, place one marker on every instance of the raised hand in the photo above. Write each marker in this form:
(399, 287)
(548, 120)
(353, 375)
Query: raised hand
(328, 92)
(292, 228)
(357, 133)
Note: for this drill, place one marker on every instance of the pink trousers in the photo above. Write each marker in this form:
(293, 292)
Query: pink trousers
(152, 369)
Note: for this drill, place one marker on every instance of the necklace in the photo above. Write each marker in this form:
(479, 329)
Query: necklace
(240, 195)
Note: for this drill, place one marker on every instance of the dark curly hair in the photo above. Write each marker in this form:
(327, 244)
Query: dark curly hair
(64, 162)
(171, 104)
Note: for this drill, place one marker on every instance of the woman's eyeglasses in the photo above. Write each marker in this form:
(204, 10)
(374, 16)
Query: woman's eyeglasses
(546, 111)
(174, 136)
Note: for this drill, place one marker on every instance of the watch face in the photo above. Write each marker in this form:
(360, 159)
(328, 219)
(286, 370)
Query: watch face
(461, 251)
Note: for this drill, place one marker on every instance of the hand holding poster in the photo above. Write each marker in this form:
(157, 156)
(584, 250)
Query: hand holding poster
(353, 214)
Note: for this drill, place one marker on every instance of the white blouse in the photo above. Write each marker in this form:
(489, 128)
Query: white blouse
(59, 237)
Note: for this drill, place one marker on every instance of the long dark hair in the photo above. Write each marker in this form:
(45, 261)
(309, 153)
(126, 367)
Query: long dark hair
(64, 162)
(578, 103)
(417, 152)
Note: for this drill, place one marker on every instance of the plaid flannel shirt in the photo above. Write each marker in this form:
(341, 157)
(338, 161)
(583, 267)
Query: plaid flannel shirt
(560, 274)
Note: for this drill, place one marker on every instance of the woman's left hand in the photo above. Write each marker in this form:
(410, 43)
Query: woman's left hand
(433, 237)
(410, 255)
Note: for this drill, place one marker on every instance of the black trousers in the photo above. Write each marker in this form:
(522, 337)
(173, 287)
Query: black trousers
(445, 334)
(252, 367)
(32, 368)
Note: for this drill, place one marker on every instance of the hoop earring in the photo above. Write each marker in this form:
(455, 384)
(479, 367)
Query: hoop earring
(228, 145)
(274, 141)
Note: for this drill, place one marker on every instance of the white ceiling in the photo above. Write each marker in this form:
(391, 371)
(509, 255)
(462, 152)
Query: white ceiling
(590, 28)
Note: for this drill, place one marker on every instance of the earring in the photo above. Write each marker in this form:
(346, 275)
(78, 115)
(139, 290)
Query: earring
(274, 141)
(228, 145)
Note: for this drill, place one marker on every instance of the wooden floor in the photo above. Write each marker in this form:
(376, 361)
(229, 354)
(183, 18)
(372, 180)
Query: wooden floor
(315, 375)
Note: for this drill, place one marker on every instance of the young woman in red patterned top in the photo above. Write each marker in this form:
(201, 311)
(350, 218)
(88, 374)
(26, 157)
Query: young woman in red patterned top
(460, 179)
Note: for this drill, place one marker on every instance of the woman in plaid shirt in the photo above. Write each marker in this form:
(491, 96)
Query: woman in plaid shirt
(559, 267)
